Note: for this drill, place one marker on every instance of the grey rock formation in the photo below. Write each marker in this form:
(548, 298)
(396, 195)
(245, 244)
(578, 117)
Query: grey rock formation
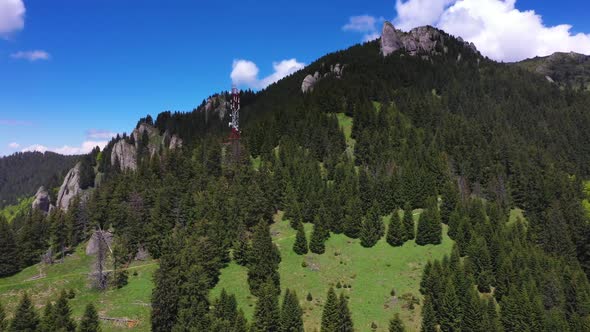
(309, 81)
(42, 200)
(93, 243)
(424, 40)
(126, 154)
(217, 104)
(390, 41)
(152, 133)
(69, 188)
(175, 142)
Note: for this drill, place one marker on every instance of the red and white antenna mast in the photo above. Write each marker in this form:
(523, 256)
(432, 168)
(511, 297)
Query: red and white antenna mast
(235, 113)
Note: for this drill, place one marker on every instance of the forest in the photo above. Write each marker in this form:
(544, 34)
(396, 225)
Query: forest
(464, 141)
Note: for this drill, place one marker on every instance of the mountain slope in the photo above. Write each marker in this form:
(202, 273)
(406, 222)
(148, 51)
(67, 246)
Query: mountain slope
(21, 174)
(565, 69)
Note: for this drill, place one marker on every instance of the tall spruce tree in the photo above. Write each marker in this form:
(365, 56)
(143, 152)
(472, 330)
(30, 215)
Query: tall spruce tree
(345, 317)
(48, 321)
(353, 219)
(395, 231)
(9, 253)
(331, 313)
(300, 245)
(3, 321)
(408, 222)
(429, 226)
(318, 238)
(267, 315)
(264, 260)
(428, 316)
(396, 324)
(90, 322)
(373, 228)
(25, 318)
(450, 311)
(291, 313)
(63, 313)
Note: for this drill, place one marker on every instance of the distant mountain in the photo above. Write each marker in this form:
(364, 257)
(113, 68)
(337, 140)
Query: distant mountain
(565, 69)
(21, 174)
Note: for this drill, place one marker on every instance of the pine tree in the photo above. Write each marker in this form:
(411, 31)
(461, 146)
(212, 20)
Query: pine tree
(240, 325)
(9, 253)
(3, 322)
(428, 317)
(353, 220)
(317, 243)
(395, 231)
(90, 322)
(473, 312)
(241, 248)
(266, 313)
(429, 226)
(300, 245)
(26, 318)
(264, 260)
(63, 319)
(408, 223)
(396, 324)
(450, 310)
(331, 313)
(492, 320)
(291, 314)
(345, 318)
(373, 228)
(48, 321)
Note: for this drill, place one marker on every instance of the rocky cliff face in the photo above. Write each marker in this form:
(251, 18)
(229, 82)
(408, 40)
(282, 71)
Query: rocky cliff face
(125, 154)
(42, 200)
(424, 40)
(309, 81)
(70, 188)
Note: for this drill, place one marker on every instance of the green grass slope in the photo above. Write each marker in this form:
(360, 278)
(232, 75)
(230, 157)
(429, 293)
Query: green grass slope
(11, 211)
(45, 283)
(372, 273)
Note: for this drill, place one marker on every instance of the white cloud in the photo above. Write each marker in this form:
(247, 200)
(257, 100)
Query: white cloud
(365, 24)
(498, 29)
(14, 145)
(31, 55)
(12, 17)
(84, 148)
(245, 72)
(100, 134)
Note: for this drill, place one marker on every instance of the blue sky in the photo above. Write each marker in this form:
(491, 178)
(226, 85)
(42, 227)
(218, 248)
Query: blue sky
(72, 72)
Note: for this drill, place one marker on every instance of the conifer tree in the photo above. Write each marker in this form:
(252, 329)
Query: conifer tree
(373, 228)
(450, 310)
(492, 321)
(395, 231)
(240, 325)
(63, 313)
(9, 254)
(267, 313)
(90, 322)
(300, 245)
(396, 324)
(264, 260)
(331, 313)
(408, 222)
(241, 248)
(317, 243)
(428, 316)
(473, 312)
(291, 314)
(26, 317)
(3, 322)
(48, 321)
(345, 317)
(353, 219)
(429, 226)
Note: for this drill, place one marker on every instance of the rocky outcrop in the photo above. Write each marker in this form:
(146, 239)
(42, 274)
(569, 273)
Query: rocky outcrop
(69, 188)
(125, 154)
(175, 143)
(93, 244)
(217, 104)
(42, 200)
(310, 81)
(423, 41)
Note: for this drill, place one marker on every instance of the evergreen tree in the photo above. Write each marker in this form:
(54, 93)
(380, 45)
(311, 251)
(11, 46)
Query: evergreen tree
(240, 325)
(396, 324)
(345, 317)
(9, 254)
(264, 260)
(26, 318)
(373, 228)
(429, 226)
(474, 312)
(90, 322)
(291, 314)
(408, 222)
(300, 245)
(331, 313)
(63, 319)
(3, 321)
(48, 321)
(428, 317)
(353, 220)
(241, 248)
(267, 313)
(395, 232)
(450, 310)
(317, 243)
